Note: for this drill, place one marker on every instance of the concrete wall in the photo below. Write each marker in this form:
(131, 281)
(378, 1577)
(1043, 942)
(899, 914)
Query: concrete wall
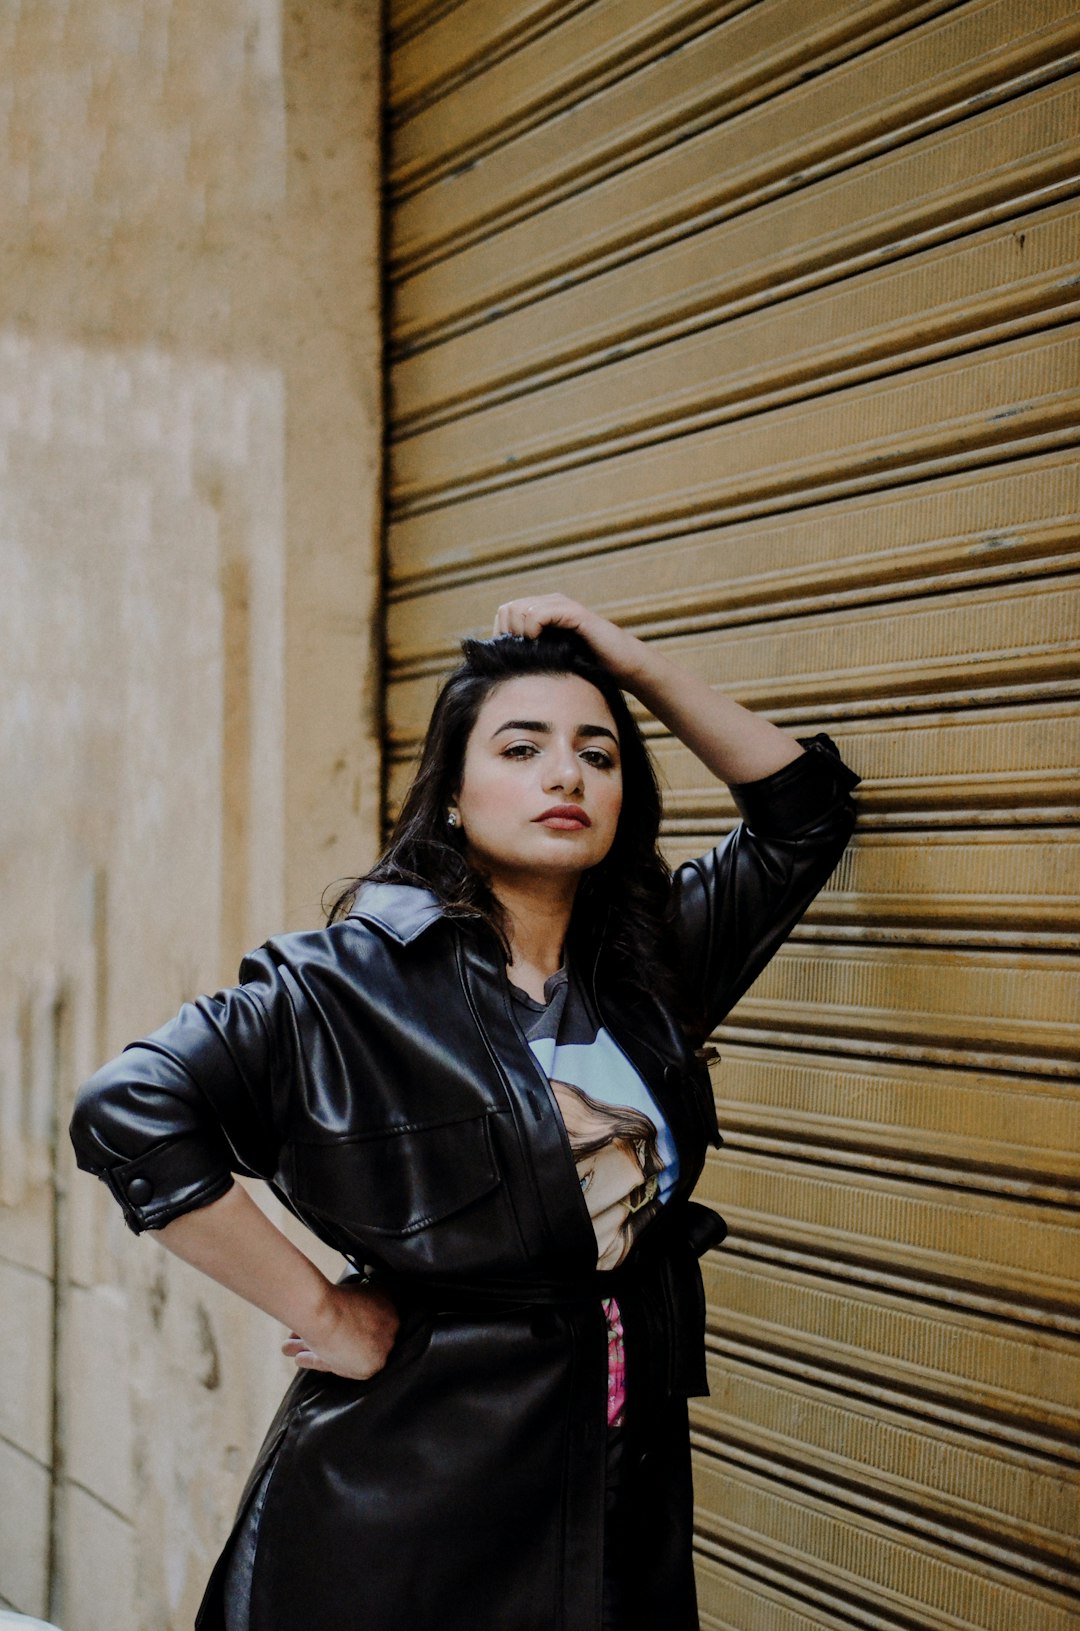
(189, 503)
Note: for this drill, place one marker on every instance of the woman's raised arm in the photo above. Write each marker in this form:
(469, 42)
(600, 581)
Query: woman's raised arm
(735, 906)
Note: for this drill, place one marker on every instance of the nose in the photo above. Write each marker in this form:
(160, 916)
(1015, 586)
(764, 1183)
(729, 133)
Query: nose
(563, 772)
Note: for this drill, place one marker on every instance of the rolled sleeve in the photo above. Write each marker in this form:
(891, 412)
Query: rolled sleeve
(734, 907)
(168, 1121)
(174, 1177)
(800, 794)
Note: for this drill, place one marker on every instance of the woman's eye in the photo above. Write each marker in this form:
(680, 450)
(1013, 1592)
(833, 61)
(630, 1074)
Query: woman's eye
(597, 757)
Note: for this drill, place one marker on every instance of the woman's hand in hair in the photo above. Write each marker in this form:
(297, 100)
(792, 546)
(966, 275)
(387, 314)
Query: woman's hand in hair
(735, 744)
(619, 651)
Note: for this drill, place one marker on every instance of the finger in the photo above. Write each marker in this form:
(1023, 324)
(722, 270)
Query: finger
(306, 1360)
(513, 617)
(502, 619)
(552, 610)
(528, 617)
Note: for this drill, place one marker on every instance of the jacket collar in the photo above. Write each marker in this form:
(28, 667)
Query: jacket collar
(405, 910)
(401, 910)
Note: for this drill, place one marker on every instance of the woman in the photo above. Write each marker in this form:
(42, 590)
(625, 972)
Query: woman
(480, 1081)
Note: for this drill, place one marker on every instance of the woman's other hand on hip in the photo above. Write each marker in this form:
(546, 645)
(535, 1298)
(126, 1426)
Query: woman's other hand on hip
(351, 1335)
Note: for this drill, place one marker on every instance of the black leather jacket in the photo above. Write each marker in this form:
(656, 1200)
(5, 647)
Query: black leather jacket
(374, 1074)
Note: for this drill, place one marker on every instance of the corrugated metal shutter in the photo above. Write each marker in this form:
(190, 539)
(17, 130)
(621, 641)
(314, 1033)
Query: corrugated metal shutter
(755, 326)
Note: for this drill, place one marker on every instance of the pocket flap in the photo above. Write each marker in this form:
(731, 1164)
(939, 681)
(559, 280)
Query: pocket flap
(399, 1180)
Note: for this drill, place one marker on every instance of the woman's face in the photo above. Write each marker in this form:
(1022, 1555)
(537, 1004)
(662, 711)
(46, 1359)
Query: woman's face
(541, 785)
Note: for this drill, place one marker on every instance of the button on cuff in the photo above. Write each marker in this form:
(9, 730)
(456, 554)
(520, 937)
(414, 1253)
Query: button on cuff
(172, 1177)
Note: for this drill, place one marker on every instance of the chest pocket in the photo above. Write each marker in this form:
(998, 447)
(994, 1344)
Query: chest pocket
(398, 1182)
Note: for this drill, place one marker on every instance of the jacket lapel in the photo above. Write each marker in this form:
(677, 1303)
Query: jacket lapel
(556, 1219)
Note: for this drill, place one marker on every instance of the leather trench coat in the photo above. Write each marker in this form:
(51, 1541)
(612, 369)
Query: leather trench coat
(374, 1075)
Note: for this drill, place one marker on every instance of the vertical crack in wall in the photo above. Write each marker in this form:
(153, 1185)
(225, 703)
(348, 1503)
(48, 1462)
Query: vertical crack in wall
(99, 911)
(60, 1082)
(236, 767)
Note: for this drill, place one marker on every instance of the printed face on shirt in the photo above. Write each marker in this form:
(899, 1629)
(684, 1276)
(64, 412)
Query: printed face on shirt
(541, 786)
(614, 1149)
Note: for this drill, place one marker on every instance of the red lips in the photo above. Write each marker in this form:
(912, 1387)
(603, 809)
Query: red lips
(565, 812)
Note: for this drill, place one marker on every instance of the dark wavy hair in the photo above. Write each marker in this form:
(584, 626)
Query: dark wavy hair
(624, 896)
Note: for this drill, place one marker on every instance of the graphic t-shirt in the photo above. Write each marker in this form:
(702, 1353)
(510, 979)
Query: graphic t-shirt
(625, 1156)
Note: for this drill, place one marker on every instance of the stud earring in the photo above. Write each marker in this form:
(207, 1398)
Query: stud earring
(452, 818)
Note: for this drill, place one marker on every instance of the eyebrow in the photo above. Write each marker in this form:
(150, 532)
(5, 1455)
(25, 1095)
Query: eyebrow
(542, 726)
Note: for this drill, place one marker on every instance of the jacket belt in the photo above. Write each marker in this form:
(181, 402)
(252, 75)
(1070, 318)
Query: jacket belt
(480, 1296)
(658, 1290)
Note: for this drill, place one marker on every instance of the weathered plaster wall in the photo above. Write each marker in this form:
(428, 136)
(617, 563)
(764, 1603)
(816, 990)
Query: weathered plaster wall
(189, 468)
